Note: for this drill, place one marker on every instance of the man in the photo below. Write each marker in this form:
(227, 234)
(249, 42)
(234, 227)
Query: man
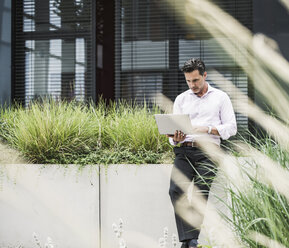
(212, 114)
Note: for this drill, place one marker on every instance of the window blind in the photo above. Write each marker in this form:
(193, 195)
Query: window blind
(152, 45)
(53, 49)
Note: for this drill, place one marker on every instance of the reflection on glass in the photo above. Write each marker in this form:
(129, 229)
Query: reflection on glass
(29, 70)
(140, 86)
(80, 69)
(54, 18)
(144, 55)
(56, 66)
(69, 14)
(29, 16)
(50, 64)
(54, 74)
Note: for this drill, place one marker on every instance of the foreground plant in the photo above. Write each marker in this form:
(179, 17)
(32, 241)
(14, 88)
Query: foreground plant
(118, 230)
(163, 242)
(262, 207)
(258, 215)
(48, 244)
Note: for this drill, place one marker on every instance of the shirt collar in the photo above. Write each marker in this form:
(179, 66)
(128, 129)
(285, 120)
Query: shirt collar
(210, 89)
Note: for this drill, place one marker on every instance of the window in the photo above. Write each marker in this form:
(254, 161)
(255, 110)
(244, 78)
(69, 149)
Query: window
(152, 44)
(53, 49)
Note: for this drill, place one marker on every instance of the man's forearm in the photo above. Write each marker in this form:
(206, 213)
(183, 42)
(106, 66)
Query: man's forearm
(205, 129)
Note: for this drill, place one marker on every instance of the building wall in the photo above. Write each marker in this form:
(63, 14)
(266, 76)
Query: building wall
(271, 18)
(5, 51)
(153, 41)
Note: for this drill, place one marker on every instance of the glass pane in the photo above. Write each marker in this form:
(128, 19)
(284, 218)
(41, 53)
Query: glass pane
(55, 68)
(80, 68)
(70, 14)
(141, 86)
(144, 55)
(29, 16)
(29, 69)
(54, 16)
(51, 15)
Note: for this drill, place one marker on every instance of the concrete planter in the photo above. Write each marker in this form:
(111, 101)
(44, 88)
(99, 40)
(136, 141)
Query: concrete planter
(53, 201)
(77, 208)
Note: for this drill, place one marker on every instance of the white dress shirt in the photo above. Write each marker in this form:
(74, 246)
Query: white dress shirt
(214, 109)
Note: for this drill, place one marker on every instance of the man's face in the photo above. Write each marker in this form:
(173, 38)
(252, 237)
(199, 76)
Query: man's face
(196, 82)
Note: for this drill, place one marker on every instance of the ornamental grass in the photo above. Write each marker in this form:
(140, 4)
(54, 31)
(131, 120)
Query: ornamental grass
(73, 132)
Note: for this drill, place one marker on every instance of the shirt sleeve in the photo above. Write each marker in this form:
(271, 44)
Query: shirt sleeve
(228, 126)
(177, 106)
(172, 142)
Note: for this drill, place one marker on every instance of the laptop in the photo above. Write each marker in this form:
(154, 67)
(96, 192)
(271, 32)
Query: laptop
(169, 123)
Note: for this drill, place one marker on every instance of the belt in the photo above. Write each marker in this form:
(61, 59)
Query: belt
(193, 144)
(189, 144)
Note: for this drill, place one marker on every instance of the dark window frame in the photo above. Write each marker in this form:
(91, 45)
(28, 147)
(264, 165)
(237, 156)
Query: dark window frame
(17, 85)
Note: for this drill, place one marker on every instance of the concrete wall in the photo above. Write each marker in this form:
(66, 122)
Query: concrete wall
(138, 195)
(5, 51)
(52, 201)
(77, 208)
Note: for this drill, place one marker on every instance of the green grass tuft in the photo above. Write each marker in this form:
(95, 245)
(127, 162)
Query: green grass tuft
(66, 133)
(260, 208)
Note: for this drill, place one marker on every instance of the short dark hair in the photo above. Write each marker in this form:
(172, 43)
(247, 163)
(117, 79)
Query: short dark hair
(194, 64)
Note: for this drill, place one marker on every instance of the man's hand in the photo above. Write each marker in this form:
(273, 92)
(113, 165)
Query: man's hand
(178, 136)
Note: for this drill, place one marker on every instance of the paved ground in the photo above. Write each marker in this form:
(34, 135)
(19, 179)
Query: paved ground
(10, 156)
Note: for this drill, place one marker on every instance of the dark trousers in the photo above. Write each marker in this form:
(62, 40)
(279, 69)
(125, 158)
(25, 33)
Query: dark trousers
(193, 165)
